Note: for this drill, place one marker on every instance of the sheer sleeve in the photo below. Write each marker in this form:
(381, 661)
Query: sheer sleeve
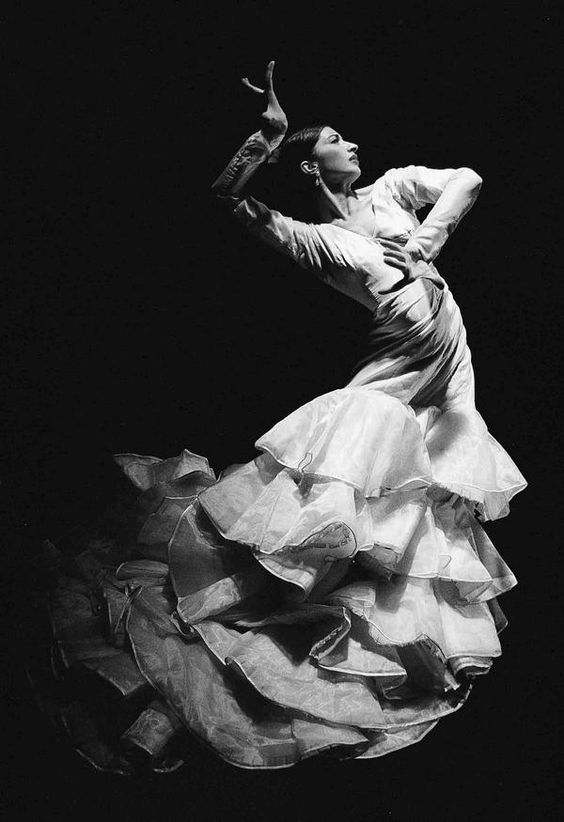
(452, 192)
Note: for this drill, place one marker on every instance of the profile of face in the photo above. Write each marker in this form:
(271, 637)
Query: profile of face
(334, 158)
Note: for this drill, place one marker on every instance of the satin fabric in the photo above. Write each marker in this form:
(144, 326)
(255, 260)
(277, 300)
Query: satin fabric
(337, 593)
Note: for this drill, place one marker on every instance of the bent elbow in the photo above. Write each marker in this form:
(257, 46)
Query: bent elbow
(473, 178)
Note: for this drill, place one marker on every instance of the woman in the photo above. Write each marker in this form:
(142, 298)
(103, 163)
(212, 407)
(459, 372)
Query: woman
(337, 593)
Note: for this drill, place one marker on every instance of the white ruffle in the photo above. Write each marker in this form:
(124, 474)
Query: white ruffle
(357, 435)
(468, 461)
(351, 473)
(377, 443)
(404, 610)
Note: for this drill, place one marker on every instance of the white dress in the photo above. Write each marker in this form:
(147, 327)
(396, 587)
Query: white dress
(340, 587)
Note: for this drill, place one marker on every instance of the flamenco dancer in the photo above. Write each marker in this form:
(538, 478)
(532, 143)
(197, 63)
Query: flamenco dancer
(336, 594)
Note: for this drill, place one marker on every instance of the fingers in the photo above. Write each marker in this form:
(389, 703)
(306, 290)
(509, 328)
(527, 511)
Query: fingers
(389, 243)
(394, 254)
(394, 262)
(398, 256)
(256, 89)
(269, 85)
(268, 76)
(269, 88)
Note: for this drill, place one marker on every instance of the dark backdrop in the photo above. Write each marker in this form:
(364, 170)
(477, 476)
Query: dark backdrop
(141, 319)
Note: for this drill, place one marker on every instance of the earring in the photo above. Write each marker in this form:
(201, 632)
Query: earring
(317, 178)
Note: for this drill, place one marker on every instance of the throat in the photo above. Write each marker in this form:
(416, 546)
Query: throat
(361, 220)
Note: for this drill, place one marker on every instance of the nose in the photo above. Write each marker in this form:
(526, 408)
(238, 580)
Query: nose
(353, 147)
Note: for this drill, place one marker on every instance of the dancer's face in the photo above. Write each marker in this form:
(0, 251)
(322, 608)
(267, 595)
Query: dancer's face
(336, 157)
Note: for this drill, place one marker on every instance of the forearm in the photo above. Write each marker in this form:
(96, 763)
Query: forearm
(254, 151)
(282, 233)
(457, 198)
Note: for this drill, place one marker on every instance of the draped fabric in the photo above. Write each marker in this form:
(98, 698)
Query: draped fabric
(337, 593)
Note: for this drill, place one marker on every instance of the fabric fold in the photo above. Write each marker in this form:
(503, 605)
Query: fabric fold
(335, 595)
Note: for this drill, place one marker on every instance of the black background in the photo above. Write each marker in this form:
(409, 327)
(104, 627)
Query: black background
(141, 319)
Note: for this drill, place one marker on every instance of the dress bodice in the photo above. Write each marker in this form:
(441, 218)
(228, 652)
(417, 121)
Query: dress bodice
(360, 271)
(354, 263)
(417, 348)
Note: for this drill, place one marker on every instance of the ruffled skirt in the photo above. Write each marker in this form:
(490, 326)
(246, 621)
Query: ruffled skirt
(336, 594)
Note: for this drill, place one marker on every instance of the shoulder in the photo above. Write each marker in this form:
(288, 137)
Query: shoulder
(389, 178)
(365, 190)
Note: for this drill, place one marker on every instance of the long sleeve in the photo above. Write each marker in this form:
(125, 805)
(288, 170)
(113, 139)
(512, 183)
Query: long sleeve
(304, 242)
(299, 240)
(453, 193)
(255, 150)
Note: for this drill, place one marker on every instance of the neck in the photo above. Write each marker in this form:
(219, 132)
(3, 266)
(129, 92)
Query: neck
(335, 201)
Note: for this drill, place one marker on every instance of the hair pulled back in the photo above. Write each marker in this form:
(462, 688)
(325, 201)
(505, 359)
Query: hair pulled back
(299, 146)
(296, 190)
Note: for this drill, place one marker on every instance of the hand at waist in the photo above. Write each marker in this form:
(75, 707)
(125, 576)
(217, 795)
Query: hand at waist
(405, 261)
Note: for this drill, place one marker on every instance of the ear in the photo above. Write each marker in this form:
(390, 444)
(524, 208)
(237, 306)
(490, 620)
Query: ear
(309, 167)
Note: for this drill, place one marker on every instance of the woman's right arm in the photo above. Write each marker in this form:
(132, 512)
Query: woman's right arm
(298, 240)
(254, 151)
(259, 146)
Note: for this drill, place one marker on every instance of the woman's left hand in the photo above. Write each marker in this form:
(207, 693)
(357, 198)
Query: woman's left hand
(396, 256)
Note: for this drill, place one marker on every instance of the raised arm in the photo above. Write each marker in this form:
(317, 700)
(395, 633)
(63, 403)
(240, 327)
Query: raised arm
(259, 146)
(299, 240)
(452, 192)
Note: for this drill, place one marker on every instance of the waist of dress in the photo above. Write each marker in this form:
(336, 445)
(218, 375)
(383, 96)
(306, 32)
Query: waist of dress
(413, 329)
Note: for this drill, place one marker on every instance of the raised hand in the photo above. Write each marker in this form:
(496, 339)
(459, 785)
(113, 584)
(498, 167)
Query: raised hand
(276, 122)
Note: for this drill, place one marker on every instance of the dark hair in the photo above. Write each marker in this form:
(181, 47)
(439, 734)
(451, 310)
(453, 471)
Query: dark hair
(299, 145)
(295, 191)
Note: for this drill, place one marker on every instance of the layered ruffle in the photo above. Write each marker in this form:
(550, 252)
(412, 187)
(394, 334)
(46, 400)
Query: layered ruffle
(469, 462)
(336, 594)
(376, 443)
(356, 472)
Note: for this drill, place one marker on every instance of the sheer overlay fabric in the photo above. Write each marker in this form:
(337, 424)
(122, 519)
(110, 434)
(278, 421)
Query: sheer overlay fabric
(338, 592)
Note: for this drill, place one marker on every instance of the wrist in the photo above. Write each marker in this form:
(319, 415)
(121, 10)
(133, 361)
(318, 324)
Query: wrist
(254, 151)
(272, 139)
(414, 250)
